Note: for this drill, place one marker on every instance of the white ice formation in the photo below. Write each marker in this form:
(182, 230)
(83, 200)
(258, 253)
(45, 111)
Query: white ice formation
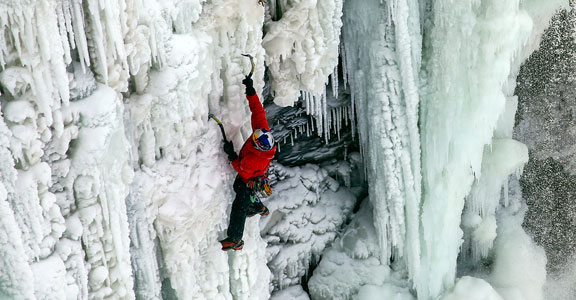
(113, 184)
(308, 211)
(301, 42)
(384, 89)
(460, 118)
(465, 94)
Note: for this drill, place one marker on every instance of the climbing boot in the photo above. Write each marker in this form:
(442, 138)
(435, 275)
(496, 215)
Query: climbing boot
(228, 244)
(263, 212)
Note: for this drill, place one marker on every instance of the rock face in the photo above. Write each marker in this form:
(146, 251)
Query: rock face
(545, 123)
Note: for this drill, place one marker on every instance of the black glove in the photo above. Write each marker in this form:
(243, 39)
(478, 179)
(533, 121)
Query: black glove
(229, 149)
(249, 86)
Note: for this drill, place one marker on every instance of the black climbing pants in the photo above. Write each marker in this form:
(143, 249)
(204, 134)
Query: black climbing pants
(240, 208)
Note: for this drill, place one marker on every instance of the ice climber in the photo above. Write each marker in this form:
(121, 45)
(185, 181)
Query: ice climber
(252, 166)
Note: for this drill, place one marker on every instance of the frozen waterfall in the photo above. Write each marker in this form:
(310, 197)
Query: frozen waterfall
(113, 183)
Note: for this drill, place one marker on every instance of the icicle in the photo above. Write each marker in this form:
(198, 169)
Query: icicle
(114, 21)
(317, 105)
(344, 66)
(318, 114)
(339, 122)
(338, 129)
(306, 102)
(98, 38)
(352, 120)
(326, 117)
(330, 121)
(309, 107)
(61, 12)
(506, 196)
(80, 36)
(68, 23)
(340, 115)
(335, 82)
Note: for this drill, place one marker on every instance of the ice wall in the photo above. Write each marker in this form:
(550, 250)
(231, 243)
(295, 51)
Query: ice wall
(379, 253)
(471, 56)
(77, 182)
(468, 69)
(105, 105)
(65, 196)
(114, 184)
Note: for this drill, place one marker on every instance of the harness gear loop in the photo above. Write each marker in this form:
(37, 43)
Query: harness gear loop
(260, 186)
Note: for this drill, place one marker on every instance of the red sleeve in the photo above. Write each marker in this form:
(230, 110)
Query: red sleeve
(258, 113)
(244, 174)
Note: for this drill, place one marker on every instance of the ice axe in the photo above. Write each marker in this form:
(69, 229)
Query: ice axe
(252, 63)
(211, 116)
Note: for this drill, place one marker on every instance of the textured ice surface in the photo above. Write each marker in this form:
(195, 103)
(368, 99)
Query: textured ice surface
(77, 166)
(113, 184)
(384, 90)
(460, 114)
(473, 289)
(301, 45)
(308, 210)
(351, 262)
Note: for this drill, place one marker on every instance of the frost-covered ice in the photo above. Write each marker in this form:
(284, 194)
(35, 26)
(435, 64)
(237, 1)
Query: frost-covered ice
(294, 292)
(178, 153)
(352, 261)
(459, 116)
(473, 289)
(308, 210)
(301, 45)
(387, 113)
(77, 165)
(114, 186)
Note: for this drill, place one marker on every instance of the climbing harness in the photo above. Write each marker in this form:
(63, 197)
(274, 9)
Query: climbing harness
(260, 186)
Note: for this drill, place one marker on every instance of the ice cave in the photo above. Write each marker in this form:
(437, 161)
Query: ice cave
(425, 149)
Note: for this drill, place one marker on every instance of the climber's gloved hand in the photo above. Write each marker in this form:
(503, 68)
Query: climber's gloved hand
(250, 91)
(229, 149)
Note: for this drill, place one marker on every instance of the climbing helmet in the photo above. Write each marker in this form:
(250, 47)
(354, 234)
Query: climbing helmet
(263, 139)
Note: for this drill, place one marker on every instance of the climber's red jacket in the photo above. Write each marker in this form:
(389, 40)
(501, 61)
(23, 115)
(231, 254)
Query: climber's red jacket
(252, 162)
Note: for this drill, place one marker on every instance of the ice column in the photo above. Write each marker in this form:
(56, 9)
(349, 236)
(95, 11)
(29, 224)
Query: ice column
(99, 178)
(467, 70)
(382, 58)
(504, 157)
